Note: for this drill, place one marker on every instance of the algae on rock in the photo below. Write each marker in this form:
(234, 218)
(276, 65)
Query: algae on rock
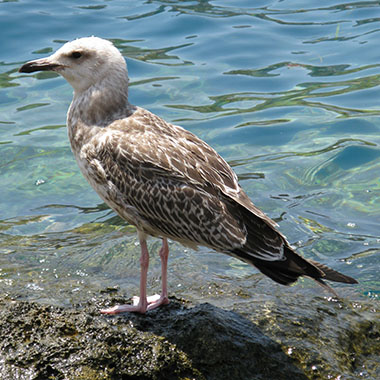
(288, 339)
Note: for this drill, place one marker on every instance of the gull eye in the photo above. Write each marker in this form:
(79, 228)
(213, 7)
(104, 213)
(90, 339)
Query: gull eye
(76, 54)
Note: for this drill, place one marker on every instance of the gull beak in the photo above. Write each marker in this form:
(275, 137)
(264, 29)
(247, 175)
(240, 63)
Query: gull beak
(43, 64)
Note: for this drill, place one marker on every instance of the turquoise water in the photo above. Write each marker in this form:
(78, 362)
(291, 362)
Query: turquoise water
(288, 93)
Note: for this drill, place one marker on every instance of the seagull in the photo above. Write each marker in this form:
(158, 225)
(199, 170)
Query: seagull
(161, 178)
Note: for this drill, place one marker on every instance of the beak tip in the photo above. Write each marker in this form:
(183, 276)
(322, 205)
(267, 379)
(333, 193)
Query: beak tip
(29, 67)
(38, 65)
(22, 69)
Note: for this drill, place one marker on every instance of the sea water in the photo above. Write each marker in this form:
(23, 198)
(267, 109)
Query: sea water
(286, 91)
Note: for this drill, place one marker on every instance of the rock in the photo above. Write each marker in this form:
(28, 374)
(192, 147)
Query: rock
(286, 339)
(329, 338)
(221, 344)
(46, 342)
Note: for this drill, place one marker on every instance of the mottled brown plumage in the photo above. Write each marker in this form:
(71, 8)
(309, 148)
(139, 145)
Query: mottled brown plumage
(160, 177)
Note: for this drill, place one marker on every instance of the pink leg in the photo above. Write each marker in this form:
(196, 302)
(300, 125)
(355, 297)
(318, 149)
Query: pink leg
(158, 300)
(164, 254)
(143, 303)
(163, 299)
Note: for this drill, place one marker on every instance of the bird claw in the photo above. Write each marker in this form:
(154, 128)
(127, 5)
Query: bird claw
(117, 309)
(137, 306)
(153, 301)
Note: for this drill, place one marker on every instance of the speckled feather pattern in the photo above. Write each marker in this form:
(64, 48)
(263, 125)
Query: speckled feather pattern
(160, 177)
(169, 183)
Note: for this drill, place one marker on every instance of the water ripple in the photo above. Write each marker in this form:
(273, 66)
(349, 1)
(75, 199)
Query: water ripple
(287, 92)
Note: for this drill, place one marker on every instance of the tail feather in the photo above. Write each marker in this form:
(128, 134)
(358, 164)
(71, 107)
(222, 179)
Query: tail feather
(327, 287)
(264, 245)
(293, 266)
(288, 270)
(333, 275)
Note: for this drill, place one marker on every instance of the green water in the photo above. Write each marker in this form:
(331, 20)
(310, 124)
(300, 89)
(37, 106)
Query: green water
(288, 93)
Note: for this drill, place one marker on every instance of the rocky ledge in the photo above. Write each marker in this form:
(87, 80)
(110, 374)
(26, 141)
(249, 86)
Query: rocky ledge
(331, 341)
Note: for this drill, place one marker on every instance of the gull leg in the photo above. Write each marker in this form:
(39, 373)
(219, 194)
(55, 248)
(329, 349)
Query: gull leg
(158, 300)
(163, 299)
(141, 305)
(164, 254)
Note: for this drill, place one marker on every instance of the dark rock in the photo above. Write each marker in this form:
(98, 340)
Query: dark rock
(221, 344)
(287, 339)
(46, 342)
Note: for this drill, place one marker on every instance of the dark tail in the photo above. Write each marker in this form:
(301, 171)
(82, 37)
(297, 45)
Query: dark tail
(288, 270)
(263, 237)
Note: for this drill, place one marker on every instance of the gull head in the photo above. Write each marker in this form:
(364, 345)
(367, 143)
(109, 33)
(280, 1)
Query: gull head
(85, 63)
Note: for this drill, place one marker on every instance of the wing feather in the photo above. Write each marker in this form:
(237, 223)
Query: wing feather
(179, 187)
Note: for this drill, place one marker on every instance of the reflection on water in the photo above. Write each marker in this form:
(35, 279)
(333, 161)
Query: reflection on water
(158, 56)
(287, 94)
(299, 96)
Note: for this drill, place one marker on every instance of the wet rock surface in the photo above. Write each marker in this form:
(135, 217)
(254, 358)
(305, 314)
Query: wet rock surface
(46, 342)
(265, 340)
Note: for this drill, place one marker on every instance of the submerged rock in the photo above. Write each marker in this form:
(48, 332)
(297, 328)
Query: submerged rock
(330, 341)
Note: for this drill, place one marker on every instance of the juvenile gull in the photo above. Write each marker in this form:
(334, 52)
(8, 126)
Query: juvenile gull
(161, 178)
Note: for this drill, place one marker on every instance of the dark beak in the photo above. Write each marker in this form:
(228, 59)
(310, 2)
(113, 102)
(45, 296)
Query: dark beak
(42, 64)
